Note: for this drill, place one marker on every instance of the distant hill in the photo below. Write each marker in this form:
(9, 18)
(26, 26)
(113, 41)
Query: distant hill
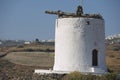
(113, 39)
(10, 43)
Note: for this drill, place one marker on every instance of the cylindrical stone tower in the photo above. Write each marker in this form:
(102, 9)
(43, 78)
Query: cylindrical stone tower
(79, 42)
(80, 45)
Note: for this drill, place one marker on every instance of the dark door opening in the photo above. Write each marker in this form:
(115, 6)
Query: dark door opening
(94, 57)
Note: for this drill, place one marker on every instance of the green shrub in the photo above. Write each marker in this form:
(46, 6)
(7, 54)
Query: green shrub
(73, 76)
(20, 46)
(79, 76)
(118, 58)
(116, 49)
(109, 76)
(109, 70)
(47, 50)
(28, 50)
(112, 56)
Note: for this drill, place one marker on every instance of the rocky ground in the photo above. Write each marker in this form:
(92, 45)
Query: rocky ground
(10, 71)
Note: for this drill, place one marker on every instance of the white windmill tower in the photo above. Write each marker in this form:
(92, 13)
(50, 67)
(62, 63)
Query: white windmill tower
(79, 42)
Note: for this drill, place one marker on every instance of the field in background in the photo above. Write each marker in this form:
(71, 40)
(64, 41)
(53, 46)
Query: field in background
(21, 62)
(41, 59)
(29, 48)
(113, 57)
(34, 56)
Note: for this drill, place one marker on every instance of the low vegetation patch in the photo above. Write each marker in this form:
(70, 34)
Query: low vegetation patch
(79, 76)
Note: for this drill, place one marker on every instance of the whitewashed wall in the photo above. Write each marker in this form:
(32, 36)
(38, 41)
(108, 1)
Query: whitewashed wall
(74, 41)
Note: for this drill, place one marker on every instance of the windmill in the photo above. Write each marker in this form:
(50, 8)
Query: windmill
(79, 43)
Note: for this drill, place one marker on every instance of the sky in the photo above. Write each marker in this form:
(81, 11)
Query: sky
(26, 20)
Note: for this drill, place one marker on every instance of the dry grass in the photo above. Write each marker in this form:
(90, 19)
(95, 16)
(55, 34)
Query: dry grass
(37, 47)
(41, 59)
(113, 59)
(45, 59)
(26, 47)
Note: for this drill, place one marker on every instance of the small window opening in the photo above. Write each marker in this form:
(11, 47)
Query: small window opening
(95, 57)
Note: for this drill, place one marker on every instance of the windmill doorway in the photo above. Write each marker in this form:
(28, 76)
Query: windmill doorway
(95, 57)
